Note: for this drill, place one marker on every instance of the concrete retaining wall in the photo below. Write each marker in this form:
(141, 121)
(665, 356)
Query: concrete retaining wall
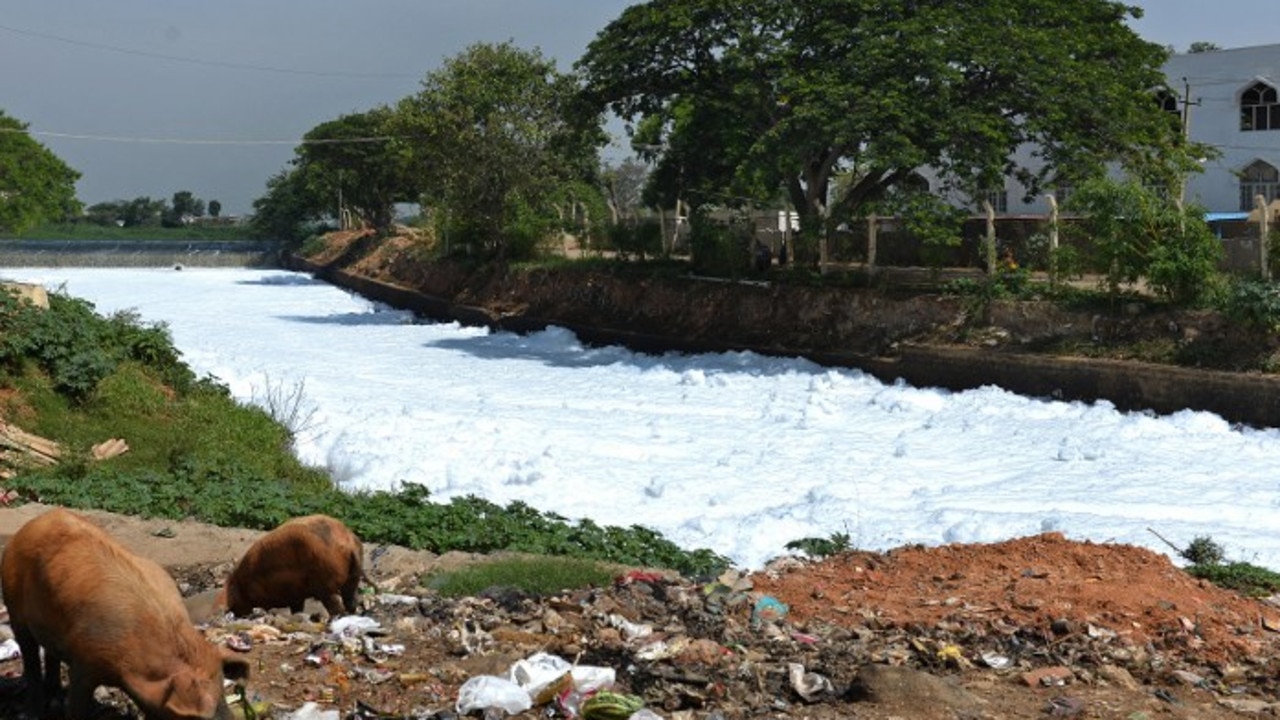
(1250, 399)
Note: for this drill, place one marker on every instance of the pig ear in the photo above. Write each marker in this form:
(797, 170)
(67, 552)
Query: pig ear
(234, 667)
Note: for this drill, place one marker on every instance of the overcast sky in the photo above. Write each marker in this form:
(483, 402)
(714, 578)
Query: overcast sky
(253, 73)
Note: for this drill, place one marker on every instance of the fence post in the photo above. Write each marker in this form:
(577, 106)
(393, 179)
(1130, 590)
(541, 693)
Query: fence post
(1264, 230)
(1053, 240)
(873, 226)
(991, 237)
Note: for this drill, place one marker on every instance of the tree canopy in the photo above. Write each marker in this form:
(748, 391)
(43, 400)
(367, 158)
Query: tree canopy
(35, 185)
(738, 100)
(495, 133)
(353, 160)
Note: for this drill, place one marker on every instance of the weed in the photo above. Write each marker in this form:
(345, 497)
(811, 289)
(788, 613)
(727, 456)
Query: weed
(533, 575)
(288, 406)
(816, 547)
(1243, 577)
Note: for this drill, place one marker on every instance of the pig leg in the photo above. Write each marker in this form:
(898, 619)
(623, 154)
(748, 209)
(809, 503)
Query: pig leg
(334, 605)
(32, 673)
(52, 678)
(80, 700)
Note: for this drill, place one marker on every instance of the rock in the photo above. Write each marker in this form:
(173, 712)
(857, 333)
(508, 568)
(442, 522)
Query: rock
(1048, 676)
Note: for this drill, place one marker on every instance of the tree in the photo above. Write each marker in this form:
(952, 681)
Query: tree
(186, 203)
(1203, 46)
(35, 185)
(215, 208)
(143, 212)
(623, 187)
(1138, 234)
(498, 133)
(741, 99)
(288, 206)
(354, 161)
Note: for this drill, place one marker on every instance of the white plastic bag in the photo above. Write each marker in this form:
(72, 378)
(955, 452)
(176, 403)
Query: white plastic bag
(487, 691)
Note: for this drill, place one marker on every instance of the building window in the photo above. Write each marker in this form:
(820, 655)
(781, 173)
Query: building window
(999, 200)
(1260, 178)
(1259, 108)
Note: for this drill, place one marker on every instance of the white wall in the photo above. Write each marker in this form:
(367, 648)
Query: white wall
(1216, 80)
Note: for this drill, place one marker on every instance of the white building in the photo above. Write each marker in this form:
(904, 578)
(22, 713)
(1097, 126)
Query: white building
(1230, 99)
(1233, 106)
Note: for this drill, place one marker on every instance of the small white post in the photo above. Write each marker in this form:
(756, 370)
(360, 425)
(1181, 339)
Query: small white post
(873, 226)
(1053, 240)
(1264, 232)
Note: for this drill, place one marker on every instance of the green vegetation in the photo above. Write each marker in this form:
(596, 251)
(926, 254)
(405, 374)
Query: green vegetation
(743, 102)
(79, 379)
(532, 575)
(1242, 577)
(818, 547)
(91, 231)
(35, 185)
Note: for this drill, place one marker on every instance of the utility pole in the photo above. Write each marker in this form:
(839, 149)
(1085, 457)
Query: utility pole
(1185, 115)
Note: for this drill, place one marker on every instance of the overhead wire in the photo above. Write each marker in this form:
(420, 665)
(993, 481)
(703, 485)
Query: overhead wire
(199, 141)
(206, 62)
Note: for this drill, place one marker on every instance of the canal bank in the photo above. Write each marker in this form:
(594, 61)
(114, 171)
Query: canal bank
(891, 339)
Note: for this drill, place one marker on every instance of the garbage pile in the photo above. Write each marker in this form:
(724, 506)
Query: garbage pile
(655, 646)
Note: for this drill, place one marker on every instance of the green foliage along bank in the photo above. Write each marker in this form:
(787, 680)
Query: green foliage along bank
(78, 378)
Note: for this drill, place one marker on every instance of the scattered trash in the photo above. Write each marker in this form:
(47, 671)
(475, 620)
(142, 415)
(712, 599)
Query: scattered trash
(810, 686)
(483, 692)
(353, 625)
(768, 609)
(312, 711)
(630, 631)
(9, 650)
(240, 642)
(996, 661)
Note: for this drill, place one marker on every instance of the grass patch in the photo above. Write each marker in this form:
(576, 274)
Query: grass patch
(90, 231)
(532, 575)
(1242, 577)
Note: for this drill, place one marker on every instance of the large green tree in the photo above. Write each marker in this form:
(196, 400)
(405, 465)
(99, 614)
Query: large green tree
(735, 100)
(288, 208)
(497, 135)
(355, 161)
(35, 185)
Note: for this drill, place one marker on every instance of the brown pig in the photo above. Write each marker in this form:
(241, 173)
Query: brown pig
(308, 557)
(114, 618)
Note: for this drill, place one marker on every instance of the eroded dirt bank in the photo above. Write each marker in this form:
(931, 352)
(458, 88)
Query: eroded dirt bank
(928, 340)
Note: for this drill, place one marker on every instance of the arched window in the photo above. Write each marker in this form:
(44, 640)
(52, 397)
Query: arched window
(1259, 108)
(1259, 178)
(915, 182)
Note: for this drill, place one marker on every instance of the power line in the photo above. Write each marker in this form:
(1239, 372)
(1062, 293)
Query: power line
(198, 61)
(201, 141)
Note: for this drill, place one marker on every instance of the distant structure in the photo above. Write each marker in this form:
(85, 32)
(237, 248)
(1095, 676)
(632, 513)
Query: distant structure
(1228, 99)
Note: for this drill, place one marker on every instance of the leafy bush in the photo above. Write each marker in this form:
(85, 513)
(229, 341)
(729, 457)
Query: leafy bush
(719, 249)
(817, 547)
(1255, 303)
(1138, 234)
(642, 239)
(1243, 577)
